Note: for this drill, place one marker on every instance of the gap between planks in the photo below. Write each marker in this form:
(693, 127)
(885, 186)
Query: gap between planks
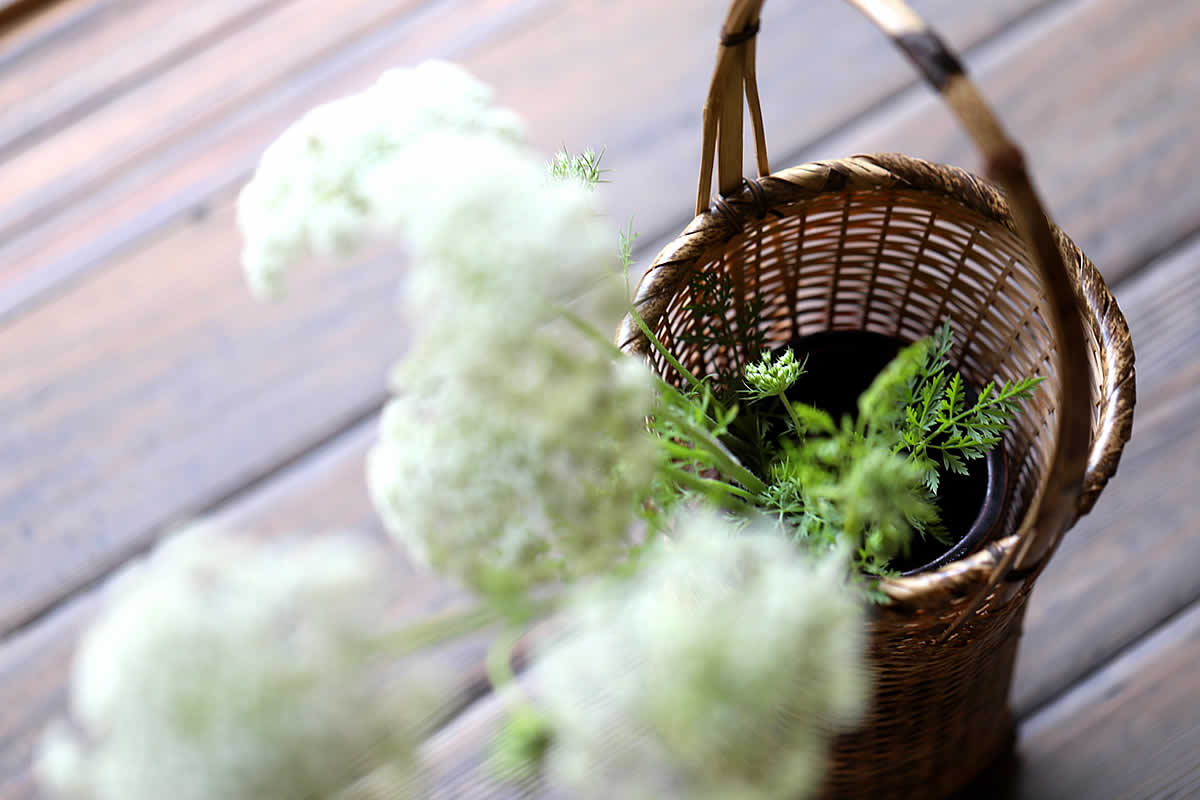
(27, 36)
(1167, 328)
(1145, 702)
(219, 493)
(29, 284)
(151, 40)
(151, 400)
(371, 403)
(1140, 418)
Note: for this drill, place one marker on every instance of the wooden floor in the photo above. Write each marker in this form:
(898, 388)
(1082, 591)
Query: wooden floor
(141, 386)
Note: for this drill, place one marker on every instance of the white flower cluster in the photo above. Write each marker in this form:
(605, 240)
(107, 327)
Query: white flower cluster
(226, 668)
(722, 671)
(500, 245)
(513, 446)
(535, 479)
(334, 177)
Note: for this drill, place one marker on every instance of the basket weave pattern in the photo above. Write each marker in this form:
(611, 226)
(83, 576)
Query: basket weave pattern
(895, 245)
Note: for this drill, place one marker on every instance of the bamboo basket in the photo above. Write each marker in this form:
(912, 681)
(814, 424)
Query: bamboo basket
(893, 244)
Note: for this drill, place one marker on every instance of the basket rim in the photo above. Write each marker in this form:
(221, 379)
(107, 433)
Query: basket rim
(728, 216)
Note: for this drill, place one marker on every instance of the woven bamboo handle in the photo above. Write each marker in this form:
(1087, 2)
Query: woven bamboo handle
(1056, 504)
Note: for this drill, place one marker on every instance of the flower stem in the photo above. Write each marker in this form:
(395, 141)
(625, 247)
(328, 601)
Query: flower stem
(692, 380)
(431, 632)
(796, 424)
(499, 657)
(729, 495)
(723, 460)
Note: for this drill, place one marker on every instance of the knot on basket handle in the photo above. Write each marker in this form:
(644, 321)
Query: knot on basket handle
(735, 38)
(1056, 504)
(723, 206)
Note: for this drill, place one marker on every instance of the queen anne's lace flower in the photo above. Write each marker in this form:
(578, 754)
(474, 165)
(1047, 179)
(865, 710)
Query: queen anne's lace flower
(535, 476)
(319, 186)
(489, 225)
(228, 669)
(514, 446)
(720, 672)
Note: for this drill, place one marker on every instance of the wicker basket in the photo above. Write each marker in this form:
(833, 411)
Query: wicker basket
(893, 244)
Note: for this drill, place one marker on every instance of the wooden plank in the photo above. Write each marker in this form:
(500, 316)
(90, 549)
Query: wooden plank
(1093, 599)
(203, 270)
(25, 34)
(1103, 103)
(648, 125)
(212, 84)
(181, 446)
(1085, 610)
(1129, 567)
(1131, 731)
(236, 325)
(178, 337)
(14, 13)
(127, 45)
(324, 493)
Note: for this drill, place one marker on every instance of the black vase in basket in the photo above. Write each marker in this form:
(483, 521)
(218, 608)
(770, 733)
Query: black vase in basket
(840, 365)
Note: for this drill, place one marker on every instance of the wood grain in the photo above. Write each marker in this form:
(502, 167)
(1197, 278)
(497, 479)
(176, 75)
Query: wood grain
(252, 58)
(128, 45)
(1101, 94)
(325, 492)
(1126, 569)
(117, 438)
(1132, 731)
(246, 401)
(642, 106)
(1131, 563)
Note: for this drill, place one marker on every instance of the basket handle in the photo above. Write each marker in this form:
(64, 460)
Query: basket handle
(1055, 506)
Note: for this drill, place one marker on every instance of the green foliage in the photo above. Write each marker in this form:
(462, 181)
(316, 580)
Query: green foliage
(738, 337)
(520, 746)
(868, 481)
(939, 424)
(625, 251)
(584, 167)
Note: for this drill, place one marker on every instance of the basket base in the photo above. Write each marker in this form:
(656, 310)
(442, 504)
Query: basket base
(939, 717)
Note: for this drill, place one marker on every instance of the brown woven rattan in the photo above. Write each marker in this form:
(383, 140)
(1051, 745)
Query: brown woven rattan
(895, 245)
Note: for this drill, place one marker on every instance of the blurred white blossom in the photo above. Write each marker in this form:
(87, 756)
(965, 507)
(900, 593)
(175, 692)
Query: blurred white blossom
(534, 475)
(331, 179)
(225, 668)
(516, 447)
(495, 234)
(721, 671)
